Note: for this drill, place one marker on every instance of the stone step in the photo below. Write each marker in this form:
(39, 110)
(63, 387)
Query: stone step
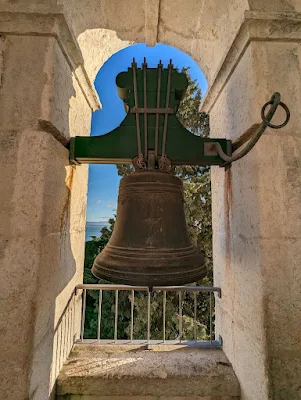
(109, 372)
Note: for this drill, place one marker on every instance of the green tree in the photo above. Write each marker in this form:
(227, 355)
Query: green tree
(197, 195)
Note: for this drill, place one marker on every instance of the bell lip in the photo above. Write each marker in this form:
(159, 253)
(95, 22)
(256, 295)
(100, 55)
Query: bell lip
(151, 280)
(146, 271)
(155, 258)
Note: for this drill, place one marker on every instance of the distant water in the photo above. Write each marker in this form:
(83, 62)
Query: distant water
(93, 229)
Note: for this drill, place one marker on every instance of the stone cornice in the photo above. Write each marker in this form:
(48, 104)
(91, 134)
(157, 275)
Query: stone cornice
(256, 26)
(50, 21)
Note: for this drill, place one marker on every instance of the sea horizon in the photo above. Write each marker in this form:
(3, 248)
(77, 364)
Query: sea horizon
(93, 228)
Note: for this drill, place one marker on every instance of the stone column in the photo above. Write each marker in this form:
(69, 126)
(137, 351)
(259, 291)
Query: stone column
(257, 209)
(45, 97)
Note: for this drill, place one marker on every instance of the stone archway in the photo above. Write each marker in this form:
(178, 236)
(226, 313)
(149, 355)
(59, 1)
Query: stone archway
(200, 30)
(49, 54)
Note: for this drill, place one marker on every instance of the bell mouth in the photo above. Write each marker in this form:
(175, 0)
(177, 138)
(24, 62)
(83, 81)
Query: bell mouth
(149, 267)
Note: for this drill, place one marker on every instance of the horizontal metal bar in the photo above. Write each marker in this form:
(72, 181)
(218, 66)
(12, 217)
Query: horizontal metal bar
(206, 289)
(98, 286)
(187, 289)
(200, 343)
(137, 110)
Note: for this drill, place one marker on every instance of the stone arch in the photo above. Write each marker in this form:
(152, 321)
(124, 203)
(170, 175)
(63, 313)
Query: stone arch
(51, 50)
(204, 31)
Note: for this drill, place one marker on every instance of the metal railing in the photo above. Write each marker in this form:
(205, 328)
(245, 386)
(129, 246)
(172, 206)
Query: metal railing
(189, 292)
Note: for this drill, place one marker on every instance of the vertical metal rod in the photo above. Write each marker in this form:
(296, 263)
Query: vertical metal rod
(180, 316)
(194, 320)
(61, 347)
(58, 349)
(170, 66)
(56, 353)
(73, 321)
(70, 325)
(63, 325)
(136, 106)
(65, 334)
(116, 316)
(99, 314)
(210, 317)
(158, 106)
(132, 314)
(83, 314)
(148, 316)
(164, 314)
(145, 107)
(69, 329)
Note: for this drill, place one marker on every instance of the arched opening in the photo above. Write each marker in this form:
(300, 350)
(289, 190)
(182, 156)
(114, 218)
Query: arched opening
(104, 181)
(102, 194)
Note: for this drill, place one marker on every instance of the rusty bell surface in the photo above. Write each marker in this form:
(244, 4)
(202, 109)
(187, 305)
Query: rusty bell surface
(150, 245)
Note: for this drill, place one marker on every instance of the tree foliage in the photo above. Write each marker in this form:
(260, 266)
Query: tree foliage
(197, 196)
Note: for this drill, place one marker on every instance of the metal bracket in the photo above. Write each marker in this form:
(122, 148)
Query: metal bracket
(209, 149)
(266, 122)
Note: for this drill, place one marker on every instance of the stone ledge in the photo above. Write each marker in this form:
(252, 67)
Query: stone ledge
(255, 26)
(50, 21)
(88, 397)
(84, 397)
(166, 372)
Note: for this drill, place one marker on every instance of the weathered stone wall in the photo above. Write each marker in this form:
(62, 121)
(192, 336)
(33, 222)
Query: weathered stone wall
(256, 219)
(97, 46)
(42, 215)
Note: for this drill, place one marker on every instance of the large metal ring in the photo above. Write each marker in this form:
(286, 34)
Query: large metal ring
(268, 123)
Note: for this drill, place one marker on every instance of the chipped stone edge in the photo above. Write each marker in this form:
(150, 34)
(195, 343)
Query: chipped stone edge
(255, 26)
(50, 21)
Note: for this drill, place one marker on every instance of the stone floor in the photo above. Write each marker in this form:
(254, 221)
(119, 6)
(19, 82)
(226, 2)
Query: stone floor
(99, 372)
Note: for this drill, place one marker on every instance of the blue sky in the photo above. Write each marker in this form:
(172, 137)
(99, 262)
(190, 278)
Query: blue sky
(103, 179)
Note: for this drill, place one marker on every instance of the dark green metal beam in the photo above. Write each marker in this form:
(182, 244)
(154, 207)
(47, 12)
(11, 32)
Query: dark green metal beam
(120, 145)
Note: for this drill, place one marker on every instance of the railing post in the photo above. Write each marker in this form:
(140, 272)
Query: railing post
(99, 314)
(116, 316)
(83, 314)
(132, 315)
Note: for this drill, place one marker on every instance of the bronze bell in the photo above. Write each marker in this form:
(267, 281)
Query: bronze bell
(150, 244)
